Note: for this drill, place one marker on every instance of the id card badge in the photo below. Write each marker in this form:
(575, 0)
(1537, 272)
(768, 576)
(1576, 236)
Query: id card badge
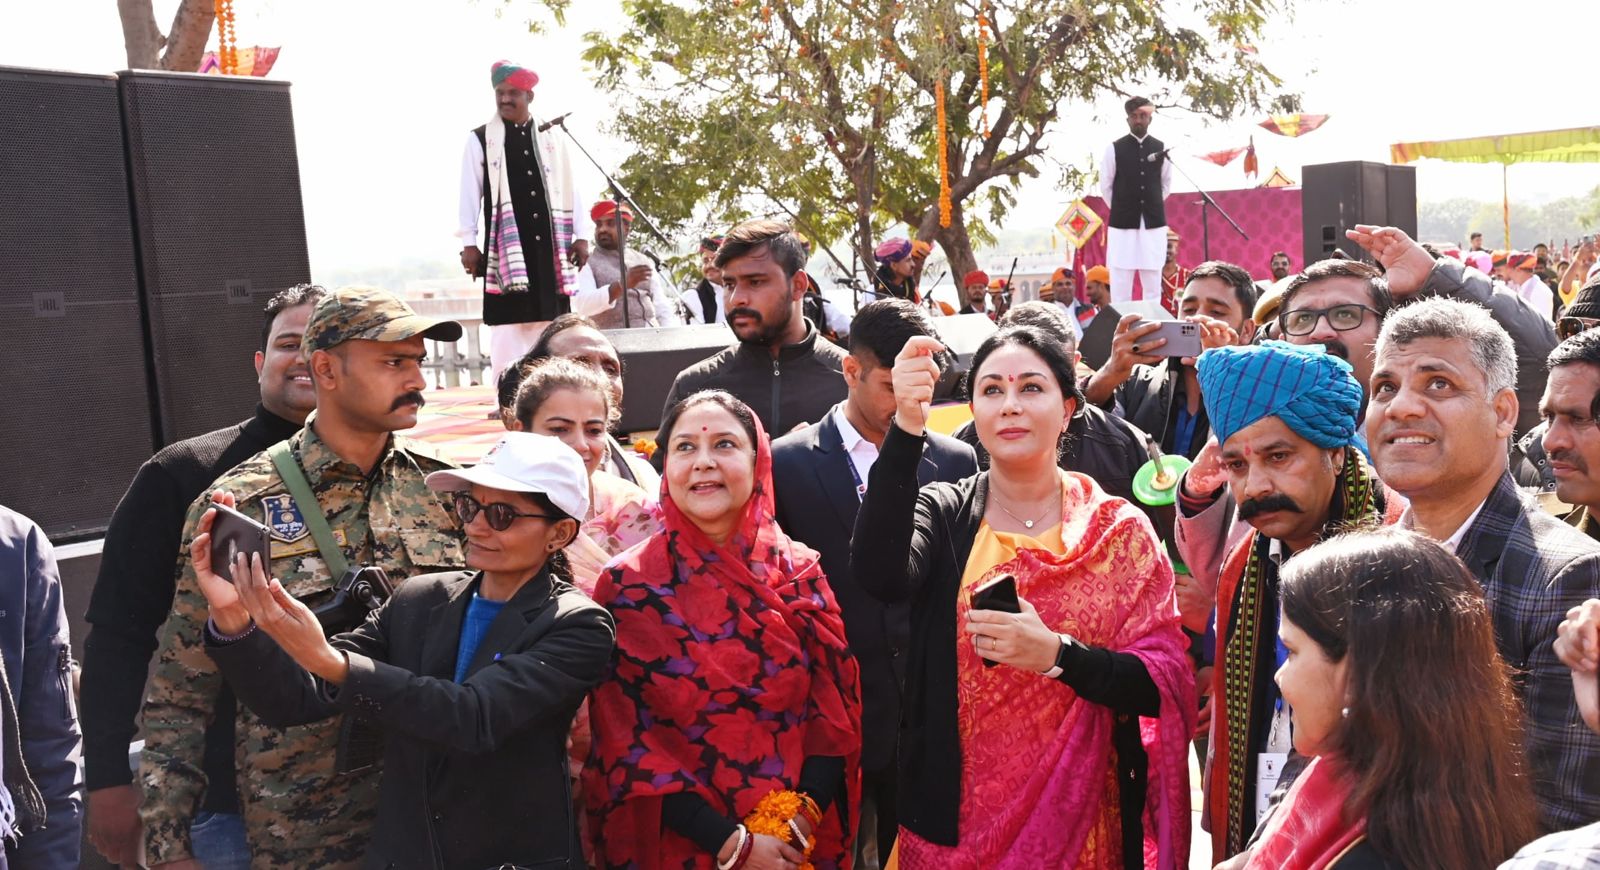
(1269, 769)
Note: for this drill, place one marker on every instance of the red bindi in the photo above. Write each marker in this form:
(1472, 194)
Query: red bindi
(1011, 377)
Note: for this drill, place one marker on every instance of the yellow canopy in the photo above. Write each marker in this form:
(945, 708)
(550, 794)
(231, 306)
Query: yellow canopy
(1577, 145)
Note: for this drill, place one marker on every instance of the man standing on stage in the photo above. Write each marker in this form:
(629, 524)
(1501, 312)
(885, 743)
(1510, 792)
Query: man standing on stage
(519, 196)
(707, 302)
(1134, 179)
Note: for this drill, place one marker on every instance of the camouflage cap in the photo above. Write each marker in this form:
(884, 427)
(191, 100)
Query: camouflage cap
(372, 314)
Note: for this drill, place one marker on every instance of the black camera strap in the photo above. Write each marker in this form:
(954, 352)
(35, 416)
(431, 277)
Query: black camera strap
(294, 479)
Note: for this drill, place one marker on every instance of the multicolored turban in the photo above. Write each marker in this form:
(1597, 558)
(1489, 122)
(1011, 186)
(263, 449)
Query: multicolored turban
(1498, 258)
(892, 251)
(605, 208)
(976, 276)
(506, 72)
(1098, 275)
(711, 243)
(1480, 260)
(1524, 260)
(1314, 393)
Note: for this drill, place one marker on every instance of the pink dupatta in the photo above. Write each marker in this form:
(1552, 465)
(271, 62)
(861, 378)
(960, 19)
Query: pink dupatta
(1038, 783)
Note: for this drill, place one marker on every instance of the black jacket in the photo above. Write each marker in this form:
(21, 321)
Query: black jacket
(801, 384)
(1136, 187)
(1149, 400)
(817, 505)
(475, 773)
(133, 595)
(911, 544)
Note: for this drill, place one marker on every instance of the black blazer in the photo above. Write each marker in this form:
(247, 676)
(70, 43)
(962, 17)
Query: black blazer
(475, 773)
(817, 505)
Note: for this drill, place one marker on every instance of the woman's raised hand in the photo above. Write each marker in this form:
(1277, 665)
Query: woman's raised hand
(227, 610)
(913, 377)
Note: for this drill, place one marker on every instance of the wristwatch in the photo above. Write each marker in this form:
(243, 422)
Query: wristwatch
(1061, 658)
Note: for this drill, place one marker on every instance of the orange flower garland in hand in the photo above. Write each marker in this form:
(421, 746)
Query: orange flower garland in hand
(772, 814)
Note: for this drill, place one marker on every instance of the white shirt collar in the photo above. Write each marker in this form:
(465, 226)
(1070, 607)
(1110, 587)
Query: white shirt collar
(847, 433)
(1453, 543)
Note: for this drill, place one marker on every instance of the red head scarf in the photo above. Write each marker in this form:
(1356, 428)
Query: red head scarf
(605, 208)
(506, 72)
(731, 668)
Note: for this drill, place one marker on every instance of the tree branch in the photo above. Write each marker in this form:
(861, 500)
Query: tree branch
(186, 41)
(140, 36)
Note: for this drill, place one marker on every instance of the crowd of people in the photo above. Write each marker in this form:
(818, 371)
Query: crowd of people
(811, 632)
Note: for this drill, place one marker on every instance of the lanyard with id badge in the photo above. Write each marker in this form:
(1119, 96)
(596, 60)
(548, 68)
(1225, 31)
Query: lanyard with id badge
(1280, 740)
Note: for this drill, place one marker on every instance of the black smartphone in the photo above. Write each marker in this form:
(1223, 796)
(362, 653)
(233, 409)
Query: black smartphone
(233, 533)
(998, 593)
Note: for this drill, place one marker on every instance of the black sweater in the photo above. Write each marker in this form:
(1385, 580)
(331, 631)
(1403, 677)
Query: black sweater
(913, 544)
(133, 594)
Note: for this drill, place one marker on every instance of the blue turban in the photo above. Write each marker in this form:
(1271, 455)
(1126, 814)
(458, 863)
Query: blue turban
(1312, 392)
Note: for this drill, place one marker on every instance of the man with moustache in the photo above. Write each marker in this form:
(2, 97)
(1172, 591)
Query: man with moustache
(1280, 266)
(975, 294)
(601, 296)
(1097, 286)
(133, 595)
(1443, 409)
(781, 366)
(363, 348)
(1286, 419)
(1529, 462)
(1571, 428)
(520, 197)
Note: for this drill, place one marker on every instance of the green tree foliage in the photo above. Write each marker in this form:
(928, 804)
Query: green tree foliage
(1556, 223)
(826, 107)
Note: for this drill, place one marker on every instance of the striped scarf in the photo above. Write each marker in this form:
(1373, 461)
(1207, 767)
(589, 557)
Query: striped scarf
(1358, 500)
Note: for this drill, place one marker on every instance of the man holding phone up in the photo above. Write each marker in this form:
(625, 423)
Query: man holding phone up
(1160, 393)
(364, 349)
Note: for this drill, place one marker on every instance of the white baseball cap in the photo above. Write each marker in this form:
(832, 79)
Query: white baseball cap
(526, 462)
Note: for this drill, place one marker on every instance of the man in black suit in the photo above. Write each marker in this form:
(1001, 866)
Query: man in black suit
(818, 477)
(1443, 407)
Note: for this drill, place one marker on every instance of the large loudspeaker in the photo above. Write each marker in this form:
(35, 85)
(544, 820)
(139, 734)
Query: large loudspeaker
(77, 419)
(1337, 196)
(652, 358)
(220, 229)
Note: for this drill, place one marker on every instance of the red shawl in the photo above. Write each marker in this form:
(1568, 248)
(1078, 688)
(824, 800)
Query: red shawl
(1310, 831)
(731, 668)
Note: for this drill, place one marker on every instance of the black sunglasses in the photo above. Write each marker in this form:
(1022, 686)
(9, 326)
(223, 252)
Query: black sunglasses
(499, 515)
(1342, 318)
(1567, 327)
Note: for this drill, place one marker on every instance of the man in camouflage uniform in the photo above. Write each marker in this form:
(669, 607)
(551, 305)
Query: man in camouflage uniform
(365, 348)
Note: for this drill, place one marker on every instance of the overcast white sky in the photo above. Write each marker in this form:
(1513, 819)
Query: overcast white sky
(384, 93)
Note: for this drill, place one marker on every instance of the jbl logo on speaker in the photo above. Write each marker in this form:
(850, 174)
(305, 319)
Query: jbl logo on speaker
(50, 304)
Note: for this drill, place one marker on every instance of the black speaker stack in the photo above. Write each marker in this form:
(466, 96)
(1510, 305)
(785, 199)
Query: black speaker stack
(1336, 196)
(145, 221)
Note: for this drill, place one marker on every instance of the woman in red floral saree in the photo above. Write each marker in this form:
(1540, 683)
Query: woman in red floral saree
(731, 680)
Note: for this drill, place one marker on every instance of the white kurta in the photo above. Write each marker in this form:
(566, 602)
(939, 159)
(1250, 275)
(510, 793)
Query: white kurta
(592, 299)
(1144, 248)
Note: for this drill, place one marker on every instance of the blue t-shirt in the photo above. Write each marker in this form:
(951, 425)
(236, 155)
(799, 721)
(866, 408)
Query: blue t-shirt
(480, 613)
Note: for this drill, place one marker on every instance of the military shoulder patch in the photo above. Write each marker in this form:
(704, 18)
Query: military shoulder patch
(284, 519)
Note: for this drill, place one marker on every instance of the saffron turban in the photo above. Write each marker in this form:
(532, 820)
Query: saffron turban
(892, 251)
(1099, 275)
(976, 276)
(605, 208)
(1314, 393)
(1498, 258)
(1062, 273)
(506, 72)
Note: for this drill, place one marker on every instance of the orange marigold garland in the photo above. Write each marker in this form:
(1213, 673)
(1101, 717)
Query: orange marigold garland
(944, 154)
(983, 69)
(227, 44)
(772, 814)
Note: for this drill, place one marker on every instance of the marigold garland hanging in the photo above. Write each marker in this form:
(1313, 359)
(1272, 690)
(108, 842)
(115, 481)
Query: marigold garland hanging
(983, 69)
(227, 43)
(944, 155)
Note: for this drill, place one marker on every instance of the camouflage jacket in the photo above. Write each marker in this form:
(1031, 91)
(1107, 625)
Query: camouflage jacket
(298, 811)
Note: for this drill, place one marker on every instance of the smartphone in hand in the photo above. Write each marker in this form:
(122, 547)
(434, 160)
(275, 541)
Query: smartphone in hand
(233, 533)
(1183, 338)
(998, 593)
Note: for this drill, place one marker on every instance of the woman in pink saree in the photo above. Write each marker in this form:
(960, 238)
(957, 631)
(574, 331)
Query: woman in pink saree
(1051, 737)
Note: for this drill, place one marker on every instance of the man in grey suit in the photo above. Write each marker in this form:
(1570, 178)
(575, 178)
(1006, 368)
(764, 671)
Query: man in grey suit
(818, 477)
(1443, 408)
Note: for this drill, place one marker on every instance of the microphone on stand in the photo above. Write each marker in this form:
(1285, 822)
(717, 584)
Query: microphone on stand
(554, 122)
(1148, 158)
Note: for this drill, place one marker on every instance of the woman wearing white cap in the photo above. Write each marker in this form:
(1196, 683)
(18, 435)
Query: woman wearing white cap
(573, 402)
(472, 675)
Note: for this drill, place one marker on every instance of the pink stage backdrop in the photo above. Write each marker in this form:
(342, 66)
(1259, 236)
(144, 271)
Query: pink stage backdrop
(1270, 215)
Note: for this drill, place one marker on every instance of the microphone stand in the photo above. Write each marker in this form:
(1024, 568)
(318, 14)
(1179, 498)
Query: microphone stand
(1206, 203)
(619, 196)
